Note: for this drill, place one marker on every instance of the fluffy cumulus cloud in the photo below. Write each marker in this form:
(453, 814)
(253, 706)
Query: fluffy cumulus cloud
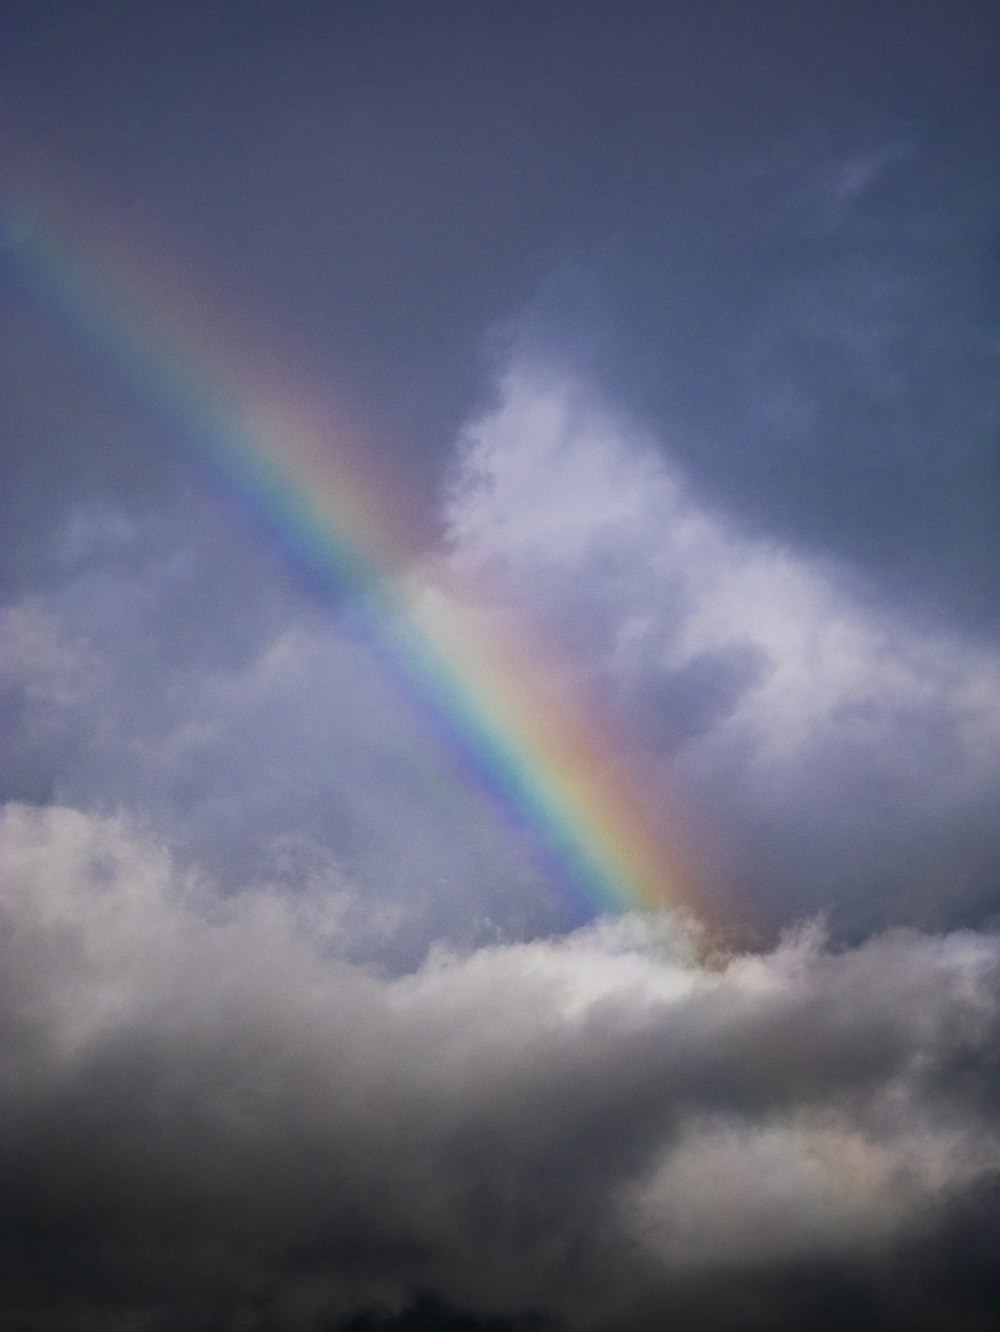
(211, 1119)
(775, 684)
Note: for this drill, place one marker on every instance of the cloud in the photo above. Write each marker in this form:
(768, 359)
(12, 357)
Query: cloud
(209, 1114)
(776, 684)
(838, 755)
(297, 744)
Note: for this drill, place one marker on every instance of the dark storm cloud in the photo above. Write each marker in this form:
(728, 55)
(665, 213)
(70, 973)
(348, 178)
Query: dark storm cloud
(206, 1114)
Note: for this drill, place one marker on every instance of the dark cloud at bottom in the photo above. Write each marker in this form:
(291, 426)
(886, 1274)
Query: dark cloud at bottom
(212, 1120)
(948, 1277)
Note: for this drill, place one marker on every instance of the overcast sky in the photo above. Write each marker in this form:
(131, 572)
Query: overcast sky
(673, 330)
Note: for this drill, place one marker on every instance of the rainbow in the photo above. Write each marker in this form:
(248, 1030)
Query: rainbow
(502, 700)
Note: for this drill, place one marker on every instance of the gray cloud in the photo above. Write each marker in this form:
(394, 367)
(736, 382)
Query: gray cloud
(206, 1109)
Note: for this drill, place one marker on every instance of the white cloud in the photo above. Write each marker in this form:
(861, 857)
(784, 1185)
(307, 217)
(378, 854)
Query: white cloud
(550, 481)
(762, 670)
(809, 1185)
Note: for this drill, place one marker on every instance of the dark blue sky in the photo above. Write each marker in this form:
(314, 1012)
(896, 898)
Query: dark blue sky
(381, 186)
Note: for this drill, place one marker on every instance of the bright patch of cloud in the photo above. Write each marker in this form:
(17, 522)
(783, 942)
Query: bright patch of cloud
(759, 669)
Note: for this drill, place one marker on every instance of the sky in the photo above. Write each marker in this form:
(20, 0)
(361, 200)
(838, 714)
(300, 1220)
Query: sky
(499, 666)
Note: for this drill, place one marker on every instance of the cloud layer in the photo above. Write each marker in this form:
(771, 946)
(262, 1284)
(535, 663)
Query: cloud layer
(209, 1114)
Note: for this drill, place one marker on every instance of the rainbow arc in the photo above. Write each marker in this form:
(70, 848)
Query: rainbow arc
(497, 694)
